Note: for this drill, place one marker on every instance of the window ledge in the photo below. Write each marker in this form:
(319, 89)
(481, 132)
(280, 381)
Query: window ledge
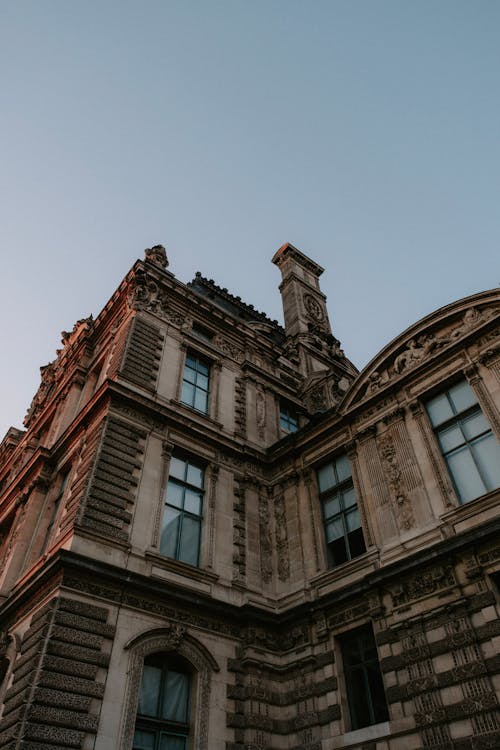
(191, 412)
(472, 507)
(372, 732)
(181, 568)
(366, 560)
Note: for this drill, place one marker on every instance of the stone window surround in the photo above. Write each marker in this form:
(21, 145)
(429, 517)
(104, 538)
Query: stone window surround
(170, 639)
(208, 516)
(215, 368)
(472, 376)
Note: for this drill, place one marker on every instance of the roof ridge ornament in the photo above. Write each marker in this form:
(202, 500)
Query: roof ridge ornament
(157, 255)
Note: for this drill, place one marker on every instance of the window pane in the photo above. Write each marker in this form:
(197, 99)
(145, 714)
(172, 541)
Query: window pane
(439, 409)
(175, 697)
(187, 395)
(202, 367)
(356, 542)
(189, 374)
(195, 475)
(349, 497)
(343, 468)
(177, 468)
(331, 506)
(334, 529)
(143, 740)
(352, 520)
(172, 742)
(189, 546)
(486, 451)
(150, 691)
(465, 474)
(192, 502)
(462, 396)
(450, 438)
(202, 382)
(474, 425)
(376, 687)
(359, 699)
(338, 551)
(170, 532)
(326, 477)
(201, 400)
(175, 494)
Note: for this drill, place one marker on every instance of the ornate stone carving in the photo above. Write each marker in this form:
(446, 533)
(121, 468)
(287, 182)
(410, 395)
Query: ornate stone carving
(171, 638)
(227, 347)
(145, 294)
(313, 308)
(266, 546)
(157, 255)
(281, 537)
(401, 503)
(426, 582)
(420, 349)
(260, 407)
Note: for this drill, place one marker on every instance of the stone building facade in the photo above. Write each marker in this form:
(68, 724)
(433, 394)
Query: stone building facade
(215, 534)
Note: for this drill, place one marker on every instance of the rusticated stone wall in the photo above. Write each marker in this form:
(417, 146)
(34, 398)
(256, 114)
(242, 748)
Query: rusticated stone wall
(143, 353)
(58, 678)
(111, 490)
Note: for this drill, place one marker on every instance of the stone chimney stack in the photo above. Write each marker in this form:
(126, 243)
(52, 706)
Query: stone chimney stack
(304, 304)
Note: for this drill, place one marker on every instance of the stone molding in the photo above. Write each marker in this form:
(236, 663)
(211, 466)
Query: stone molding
(171, 638)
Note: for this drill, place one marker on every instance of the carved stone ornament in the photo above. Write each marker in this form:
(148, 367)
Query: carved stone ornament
(313, 307)
(281, 535)
(401, 503)
(156, 254)
(266, 545)
(227, 347)
(422, 584)
(171, 638)
(260, 405)
(418, 350)
(145, 294)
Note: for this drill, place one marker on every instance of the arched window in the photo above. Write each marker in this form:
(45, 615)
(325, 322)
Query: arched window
(164, 701)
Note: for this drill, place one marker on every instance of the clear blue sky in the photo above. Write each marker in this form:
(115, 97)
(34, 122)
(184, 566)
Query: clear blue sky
(365, 133)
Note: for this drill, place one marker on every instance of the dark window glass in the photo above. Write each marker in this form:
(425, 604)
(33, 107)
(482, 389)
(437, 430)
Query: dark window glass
(289, 419)
(363, 679)
(181, 526)
(163, 711)
(344, 535)
(467, 443)
(195, 383)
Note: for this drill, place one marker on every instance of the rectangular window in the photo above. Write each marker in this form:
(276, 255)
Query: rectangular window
(467, 443)
(344, 535)
(195, 383)
(363, 679)
(289, 419)
(181, 527)
(55, 509)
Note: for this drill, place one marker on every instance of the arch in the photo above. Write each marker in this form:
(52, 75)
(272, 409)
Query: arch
(171, 638)
(422, 341)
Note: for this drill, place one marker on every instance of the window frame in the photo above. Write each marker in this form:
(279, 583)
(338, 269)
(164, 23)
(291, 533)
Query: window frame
(155, 724)
(458, 419)
(338, 490)
(348, 642)
(183, 485)
(288, 417)
(204, 362)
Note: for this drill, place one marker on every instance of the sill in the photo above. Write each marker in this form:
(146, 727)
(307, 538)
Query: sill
(192, 412)
(366, 560)
(371, 732)
(471, 507)
(181, 568)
